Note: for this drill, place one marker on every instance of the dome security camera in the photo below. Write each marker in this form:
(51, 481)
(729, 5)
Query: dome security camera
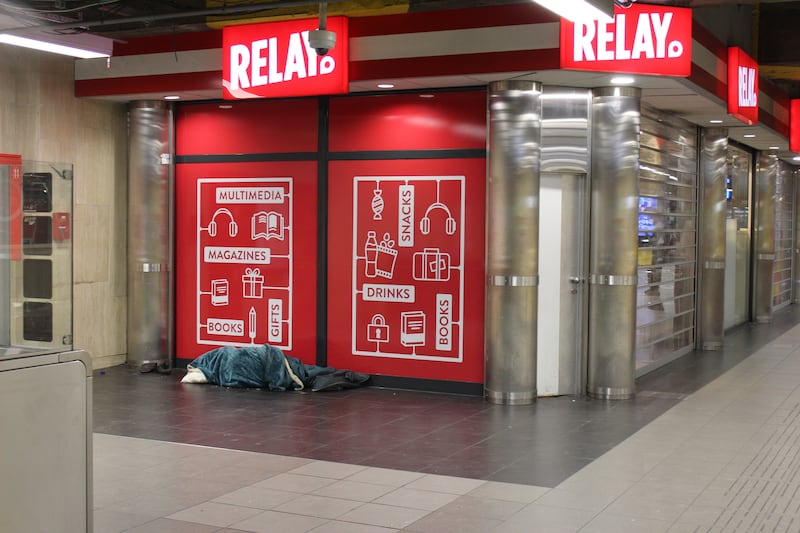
(322, 41)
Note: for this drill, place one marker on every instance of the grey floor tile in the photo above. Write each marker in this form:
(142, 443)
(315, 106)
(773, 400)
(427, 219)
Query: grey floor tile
(319, 506)
(610, 523)
(256, 497)
(110, 521)
(349, 527)
(165, 525)
(383, 515)
(295, 483)
(417, 499)
(511, 492)
(354, 490)
(440, 521)
(215, 514)
(273, 521)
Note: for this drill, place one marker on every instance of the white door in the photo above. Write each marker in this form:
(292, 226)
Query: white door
(561, 367)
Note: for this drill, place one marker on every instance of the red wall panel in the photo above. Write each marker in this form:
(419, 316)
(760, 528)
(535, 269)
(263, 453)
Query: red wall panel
(408, 122)
(263, 126)
(252, 279)
(410, 302)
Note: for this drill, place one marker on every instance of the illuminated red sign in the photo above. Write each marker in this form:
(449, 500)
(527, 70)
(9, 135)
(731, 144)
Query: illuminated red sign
(641, 39)
(274, 59)
(742, 86)
(794, 125)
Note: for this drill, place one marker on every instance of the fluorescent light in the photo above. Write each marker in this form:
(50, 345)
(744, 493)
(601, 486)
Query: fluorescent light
(622, 80)
(749, 136)
(715, 121)
(796, 158)
(172, 97)
(774, 147)
(79, 50)
(578, 10)
(385, 86)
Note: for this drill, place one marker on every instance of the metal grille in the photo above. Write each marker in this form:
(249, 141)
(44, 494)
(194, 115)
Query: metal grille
(784, 222)
(665, 301)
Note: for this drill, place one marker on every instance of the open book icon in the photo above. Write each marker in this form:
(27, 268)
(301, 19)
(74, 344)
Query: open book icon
(267, 225)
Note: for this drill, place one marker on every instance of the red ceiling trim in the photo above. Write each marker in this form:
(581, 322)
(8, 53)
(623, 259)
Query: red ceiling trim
(463, 19)
(455, 65)
(709, 82)
(708, 41)
(190, 81)
(178, 42)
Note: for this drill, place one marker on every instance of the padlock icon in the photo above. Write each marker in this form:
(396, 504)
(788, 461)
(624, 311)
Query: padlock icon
(377, 329)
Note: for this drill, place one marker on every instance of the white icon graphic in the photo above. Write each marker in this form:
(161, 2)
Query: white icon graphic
(266, 226)
(425, 222)
(377, 203)
(219, 292)
(378, 329)
(381, 256)
(412, 328)
(253, 324)
(252, 283)
(233, 229)
(431, 265)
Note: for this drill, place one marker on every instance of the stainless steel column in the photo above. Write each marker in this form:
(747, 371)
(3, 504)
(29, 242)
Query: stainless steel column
(149, 235)
(764, 222)
(613, 242)
(512, 250)
(796, 237)
(711, 295)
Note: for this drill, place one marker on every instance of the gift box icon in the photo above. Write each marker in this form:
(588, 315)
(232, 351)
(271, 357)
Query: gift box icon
(252, 283)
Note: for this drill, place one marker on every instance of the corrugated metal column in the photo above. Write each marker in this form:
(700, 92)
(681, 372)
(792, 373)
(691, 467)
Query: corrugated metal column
(512, 250)
(149, 235)
(613, 246)
(713, 204)
(764, 235)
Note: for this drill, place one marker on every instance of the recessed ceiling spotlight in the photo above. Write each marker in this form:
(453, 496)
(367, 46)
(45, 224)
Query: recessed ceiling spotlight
(749, 136)
(386, 86)
(622, 80)
(715, 121)
(172, 97)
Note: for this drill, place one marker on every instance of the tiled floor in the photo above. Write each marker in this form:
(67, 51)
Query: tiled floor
(709, 444)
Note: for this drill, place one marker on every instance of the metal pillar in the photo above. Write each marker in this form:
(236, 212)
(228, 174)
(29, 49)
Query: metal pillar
(766, 174)
(613, 249)
(796, 237)
(512, 258)
(149, 236)
(711, 297)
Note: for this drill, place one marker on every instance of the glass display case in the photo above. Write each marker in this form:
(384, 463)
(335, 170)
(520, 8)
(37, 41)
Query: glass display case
(35, 255)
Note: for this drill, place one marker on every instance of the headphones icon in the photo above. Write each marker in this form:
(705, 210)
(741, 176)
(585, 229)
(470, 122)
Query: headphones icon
(425, 223)
(233, 229)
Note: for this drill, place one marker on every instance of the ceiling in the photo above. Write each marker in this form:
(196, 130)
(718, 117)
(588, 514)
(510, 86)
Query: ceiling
(766, 30)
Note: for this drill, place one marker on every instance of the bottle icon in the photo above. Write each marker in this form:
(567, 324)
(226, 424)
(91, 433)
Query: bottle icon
(371, 253)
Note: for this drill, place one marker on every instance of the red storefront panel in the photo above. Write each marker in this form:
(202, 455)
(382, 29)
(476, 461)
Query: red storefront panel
(253, 127)
(409, 122)
(14, 163)
(406, 268)
(246, 257)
